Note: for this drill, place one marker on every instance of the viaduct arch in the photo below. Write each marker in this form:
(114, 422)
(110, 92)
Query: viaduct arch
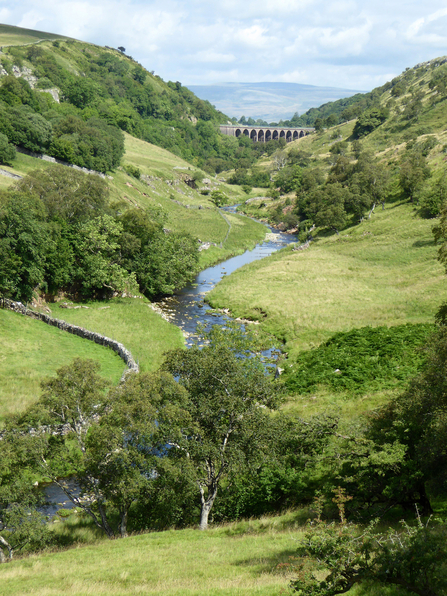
(262, 134)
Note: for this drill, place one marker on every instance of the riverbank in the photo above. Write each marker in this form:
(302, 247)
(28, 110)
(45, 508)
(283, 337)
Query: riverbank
(381, 272)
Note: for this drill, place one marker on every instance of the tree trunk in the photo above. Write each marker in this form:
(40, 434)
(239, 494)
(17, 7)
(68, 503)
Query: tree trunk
(104, 523)
(10, 550)
(207, 504)
(204, 514)
(123, 523)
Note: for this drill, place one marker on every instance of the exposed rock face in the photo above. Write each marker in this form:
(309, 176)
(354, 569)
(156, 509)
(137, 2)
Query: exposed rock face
(117, 347)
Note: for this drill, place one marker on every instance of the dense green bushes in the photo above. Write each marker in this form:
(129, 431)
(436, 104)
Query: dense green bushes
(371, 358)
(57, 231)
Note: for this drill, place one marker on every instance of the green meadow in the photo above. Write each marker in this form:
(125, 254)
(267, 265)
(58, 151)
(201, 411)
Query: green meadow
(253, 557)
(31, 351)
(381, 272)
(16, 36)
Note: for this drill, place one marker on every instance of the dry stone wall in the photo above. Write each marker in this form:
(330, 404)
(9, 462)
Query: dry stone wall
(102, 340)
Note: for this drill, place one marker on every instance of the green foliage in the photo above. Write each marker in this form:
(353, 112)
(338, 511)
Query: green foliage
(370, 358)
(132, 171)
(413, 172)
(218, 198)
(57, 231)
(22, 528)
(166, 263)
(434, 194)
(22, 245)
(287, 477)
(226, 391)
(7, 150)
(25, 128)
(67, 194)
(97, 252)
(438, 82)
(288, 178)
(346, 555)
(369, 121)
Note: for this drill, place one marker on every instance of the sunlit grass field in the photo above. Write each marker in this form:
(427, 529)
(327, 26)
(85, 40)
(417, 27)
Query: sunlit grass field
(31, 351)
(381, 272)
(10, 35)
(130, 321)
(238, 559)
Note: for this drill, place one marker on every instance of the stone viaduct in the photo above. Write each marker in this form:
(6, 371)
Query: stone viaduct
(262, 134)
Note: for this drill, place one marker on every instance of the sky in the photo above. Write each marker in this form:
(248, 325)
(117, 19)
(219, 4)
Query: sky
(353, 44)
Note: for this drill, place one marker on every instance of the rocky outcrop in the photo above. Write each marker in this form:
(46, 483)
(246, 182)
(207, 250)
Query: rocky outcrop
(102, 340)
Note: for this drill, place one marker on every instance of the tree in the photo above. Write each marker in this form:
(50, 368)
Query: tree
(434, 196)
(438, 81)
(97, 255)
(125, 451)
(218, 198)
(331, 120)
(319, 124)
(326, 206)
(21, 525)
(229, 398)
(74, 401)
(413, 173)
(373, 178)
(279, 159)
(67, 194)
(166, 263)
(116, 443)
(7, 151)
(369, 121)
(23, 245)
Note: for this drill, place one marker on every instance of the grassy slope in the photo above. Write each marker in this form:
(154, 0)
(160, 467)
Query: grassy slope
(15, 36)
(381, 272)
(196, 213)
(130, 321)
(221, 561)
(31, 350)
(240, 559)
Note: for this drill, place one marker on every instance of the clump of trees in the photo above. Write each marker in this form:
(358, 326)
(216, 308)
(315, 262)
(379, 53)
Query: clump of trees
(59, 232)
(28, 120)
(113, 94)
(132, 446)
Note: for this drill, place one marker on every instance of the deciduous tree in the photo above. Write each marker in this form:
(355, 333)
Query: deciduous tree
(230, 396)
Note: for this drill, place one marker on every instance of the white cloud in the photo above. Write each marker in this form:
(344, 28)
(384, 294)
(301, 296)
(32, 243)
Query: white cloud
(345, 43)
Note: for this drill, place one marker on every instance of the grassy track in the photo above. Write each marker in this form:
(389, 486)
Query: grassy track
(382, 272)
(31, 350)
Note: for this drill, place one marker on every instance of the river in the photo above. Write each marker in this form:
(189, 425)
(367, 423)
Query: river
(186, 310)
(188, 307)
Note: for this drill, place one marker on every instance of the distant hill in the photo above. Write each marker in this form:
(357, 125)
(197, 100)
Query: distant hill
(269, 101)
